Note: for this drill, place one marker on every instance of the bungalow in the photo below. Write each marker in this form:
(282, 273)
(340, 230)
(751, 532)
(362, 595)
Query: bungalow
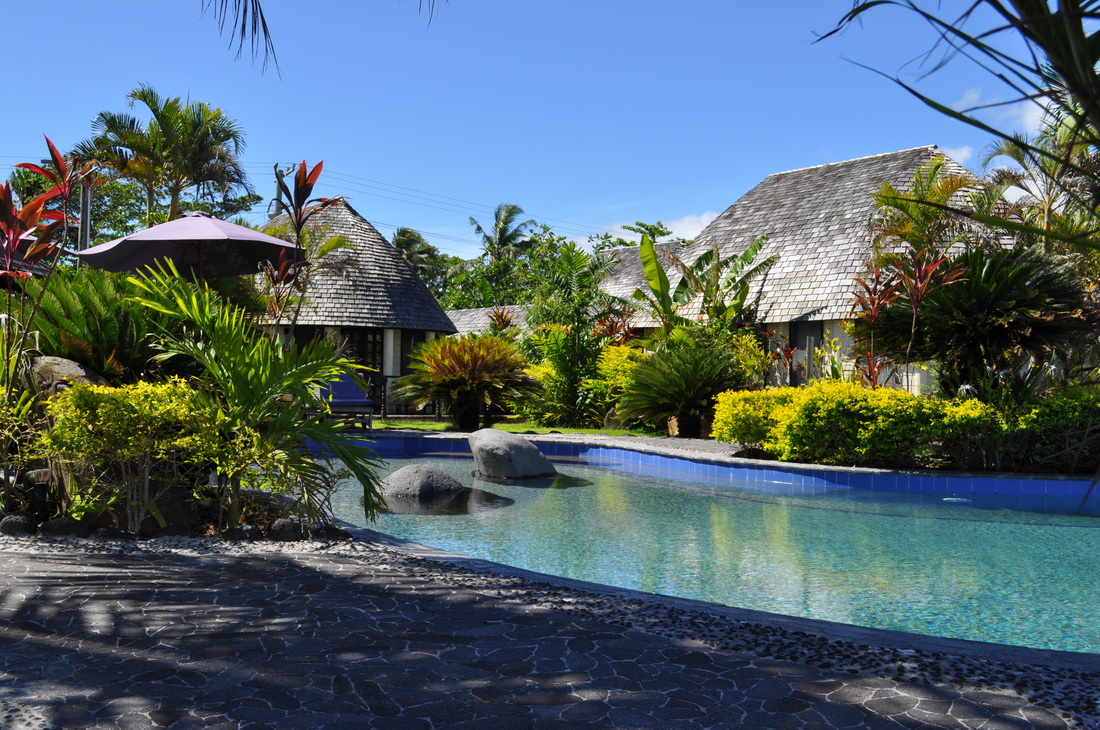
(818, 221)
(368, 296)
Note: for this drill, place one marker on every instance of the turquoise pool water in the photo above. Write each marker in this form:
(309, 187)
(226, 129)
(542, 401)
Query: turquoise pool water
(897, 561)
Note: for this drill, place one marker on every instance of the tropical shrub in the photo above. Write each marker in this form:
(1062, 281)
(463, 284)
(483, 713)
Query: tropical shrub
(20, 424)
(470, 375)
(901, 432)
(614, 374)
(834, 422)
(569, 356)
(682, 384)
(1010, 307)
(747, 417)
(265, 399)
(1062, 432)
(128, 445)
(821, 424)
(972, 435)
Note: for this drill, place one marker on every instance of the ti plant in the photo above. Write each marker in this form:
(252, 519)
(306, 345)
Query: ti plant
(290, 273)
(872, 298)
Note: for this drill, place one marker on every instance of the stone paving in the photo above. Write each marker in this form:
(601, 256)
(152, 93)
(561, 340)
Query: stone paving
(357, 634)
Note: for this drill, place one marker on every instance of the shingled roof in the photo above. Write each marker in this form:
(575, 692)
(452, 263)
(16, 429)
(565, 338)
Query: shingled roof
(377, 288)
(818, 221)
(476, 321)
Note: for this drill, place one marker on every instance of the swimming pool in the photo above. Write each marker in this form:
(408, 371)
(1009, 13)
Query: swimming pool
(905, 561)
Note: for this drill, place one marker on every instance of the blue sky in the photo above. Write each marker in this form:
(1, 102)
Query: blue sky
(588, 113)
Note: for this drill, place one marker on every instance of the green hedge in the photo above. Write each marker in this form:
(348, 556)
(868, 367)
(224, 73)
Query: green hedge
(834, 422)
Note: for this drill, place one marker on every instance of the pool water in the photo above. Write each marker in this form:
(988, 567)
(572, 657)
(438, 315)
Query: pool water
(887, 560)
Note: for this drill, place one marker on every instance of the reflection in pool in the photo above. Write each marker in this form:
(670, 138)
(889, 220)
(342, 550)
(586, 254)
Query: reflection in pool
(888, 560)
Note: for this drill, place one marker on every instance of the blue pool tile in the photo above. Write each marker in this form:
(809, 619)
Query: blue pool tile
(1063, 504)
(994, 486)
(861, 481)
(1033, 487)
(1065, 488)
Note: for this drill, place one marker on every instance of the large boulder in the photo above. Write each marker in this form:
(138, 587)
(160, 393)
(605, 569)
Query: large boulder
(503, 455)
(50, 375)
(420, 481)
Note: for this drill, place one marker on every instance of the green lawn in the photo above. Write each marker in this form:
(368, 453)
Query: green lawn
(381, 424)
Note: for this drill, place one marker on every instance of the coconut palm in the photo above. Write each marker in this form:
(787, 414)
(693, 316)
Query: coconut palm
(184, 146)
(1054, 183)
(508, 237)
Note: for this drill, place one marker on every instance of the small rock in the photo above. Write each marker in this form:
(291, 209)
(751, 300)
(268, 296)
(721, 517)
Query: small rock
(64, 526)
(243, 532)
(18, 524)
(325, 531)
(286, 529)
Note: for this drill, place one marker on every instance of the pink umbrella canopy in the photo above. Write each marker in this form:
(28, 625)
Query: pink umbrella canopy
(199, 244)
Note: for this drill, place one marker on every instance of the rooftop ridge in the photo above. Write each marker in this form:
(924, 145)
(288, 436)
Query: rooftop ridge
(856, 159)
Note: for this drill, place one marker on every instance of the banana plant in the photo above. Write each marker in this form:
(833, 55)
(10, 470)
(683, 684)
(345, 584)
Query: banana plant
(658, 300)
(722, 285)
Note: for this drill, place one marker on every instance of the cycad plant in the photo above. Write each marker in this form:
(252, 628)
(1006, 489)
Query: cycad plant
(470, 375)
(88, 316)
(680, 384)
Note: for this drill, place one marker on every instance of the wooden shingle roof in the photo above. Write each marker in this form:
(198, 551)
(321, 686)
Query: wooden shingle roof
(818, 221)
(476, 321)
(375, 288)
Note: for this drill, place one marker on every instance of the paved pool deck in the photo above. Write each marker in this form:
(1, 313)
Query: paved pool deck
(365, 634)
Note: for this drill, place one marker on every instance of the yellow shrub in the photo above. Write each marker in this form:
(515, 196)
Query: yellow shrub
(747, 417)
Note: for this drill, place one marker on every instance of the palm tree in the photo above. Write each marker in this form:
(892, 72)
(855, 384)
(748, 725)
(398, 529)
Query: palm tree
(184, 146)
(1053, 184)
(507, 238)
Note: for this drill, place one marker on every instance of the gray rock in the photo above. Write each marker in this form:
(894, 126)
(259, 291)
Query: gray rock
(19, 523)
(420, 481)
(64, 526)
(176, 529)
(50, 375)
(503, 455)
(325, 531)
(286, 529)
(246, 533)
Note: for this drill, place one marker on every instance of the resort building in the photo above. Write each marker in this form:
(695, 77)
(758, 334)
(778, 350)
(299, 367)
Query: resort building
(818, 223)
(368, 296)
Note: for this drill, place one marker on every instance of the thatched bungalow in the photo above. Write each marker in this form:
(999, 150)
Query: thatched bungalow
(369, 296)
(818, 221)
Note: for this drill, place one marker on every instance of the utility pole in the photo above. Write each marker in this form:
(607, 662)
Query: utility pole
(275, 207)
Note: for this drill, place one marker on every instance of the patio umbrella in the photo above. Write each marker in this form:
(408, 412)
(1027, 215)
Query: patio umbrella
(198, 243)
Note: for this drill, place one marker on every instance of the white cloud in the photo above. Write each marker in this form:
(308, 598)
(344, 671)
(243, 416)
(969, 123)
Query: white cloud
(690, 226)
(958, 154)
(970, 98)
